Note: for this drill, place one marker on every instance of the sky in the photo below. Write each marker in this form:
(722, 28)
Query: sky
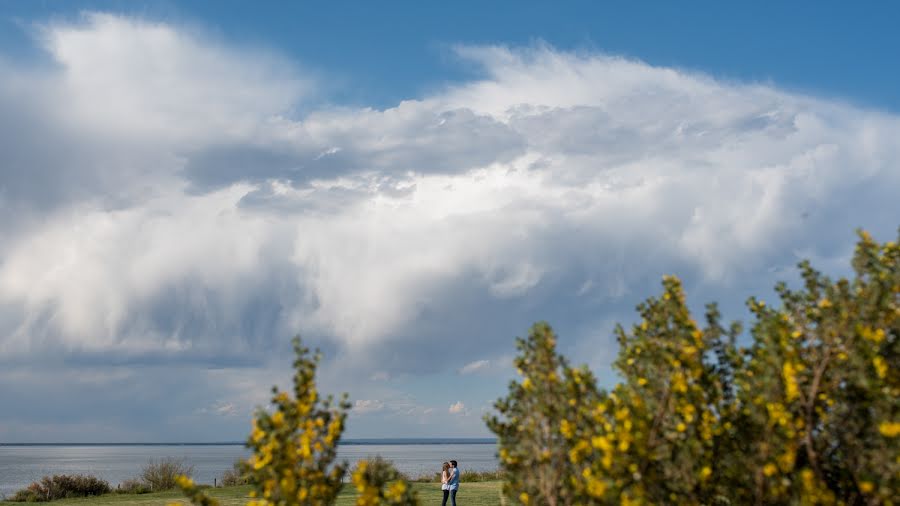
(409, 186)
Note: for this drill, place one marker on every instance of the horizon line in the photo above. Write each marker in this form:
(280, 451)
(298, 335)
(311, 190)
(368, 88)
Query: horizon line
(349, 441)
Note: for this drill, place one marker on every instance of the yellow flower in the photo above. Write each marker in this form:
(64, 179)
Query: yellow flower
(183, 481)
(889, 429)
(642, 381)
(866, 487)
(681, 427)
(523, 497)
(788, 373)
(769, 469)
(705, 473)
(596, 487)
(395, 490)
(880, 367)
(601, 443)
(874, 335)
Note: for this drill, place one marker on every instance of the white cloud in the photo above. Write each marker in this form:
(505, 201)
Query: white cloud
(220, 409)
(476, 366)
(211, 221)
(367, 405)
(122, 75)
(458, 408)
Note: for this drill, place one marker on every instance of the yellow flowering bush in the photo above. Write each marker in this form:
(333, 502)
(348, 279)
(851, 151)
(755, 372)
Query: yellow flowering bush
(533, 422)
(805, 409)
(379, 484)
(294, 445)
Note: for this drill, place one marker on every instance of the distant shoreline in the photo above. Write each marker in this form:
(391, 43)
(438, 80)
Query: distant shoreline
(348, 442)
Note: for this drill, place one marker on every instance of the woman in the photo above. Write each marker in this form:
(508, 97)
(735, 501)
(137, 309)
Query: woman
(445, 482)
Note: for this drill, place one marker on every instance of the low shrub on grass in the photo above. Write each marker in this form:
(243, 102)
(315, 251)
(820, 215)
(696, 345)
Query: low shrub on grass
(161, 474)
(62, 486)
(133, 486)
(235, 476)
(466, 477)
(476, 476)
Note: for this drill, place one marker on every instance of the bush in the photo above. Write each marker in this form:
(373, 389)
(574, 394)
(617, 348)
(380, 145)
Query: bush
(133, 486)
(235, 476)
(466, 476)
(477, 476)
(62, 487)
(294, 445)
(378, 483)
(162, 474)
(808, 412)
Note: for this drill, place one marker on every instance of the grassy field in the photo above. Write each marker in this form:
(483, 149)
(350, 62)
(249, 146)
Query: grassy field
(471, 494)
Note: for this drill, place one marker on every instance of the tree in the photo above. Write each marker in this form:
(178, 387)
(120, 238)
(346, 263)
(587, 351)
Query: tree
(532, 420)
(294, 447)
(378, 483)
(807, 412)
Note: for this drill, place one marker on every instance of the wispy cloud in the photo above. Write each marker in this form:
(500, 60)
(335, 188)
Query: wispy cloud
(458, 408)
(473, 367)
(367, 405)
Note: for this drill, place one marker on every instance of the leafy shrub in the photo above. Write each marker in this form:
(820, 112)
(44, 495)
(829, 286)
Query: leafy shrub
(294, 446)
(133, 486)
(62, 486)
(466, 476)
(235, 476)
(162, 474)
(807, 412)
(378, 483)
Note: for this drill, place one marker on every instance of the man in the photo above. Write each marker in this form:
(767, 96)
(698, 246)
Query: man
(454, 481)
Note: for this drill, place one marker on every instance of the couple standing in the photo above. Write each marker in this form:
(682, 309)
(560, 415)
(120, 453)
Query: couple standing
(449, 482)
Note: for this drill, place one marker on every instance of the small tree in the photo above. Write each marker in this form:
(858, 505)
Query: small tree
(654, 438)
(378, 483)
(807, 413)
(819, 389)
(294, 445)
(162, 474)
(532, 421)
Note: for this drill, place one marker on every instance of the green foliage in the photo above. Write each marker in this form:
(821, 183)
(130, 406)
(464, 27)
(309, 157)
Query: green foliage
(807, 413)
(235, 476)
(162, 474)
(467, 476)
(294, 445)
(531, 421)
(133, 487)
(378, 483)
(62, 486)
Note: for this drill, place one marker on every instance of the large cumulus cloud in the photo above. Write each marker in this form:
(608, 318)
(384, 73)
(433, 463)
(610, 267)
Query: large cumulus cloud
(172, 198)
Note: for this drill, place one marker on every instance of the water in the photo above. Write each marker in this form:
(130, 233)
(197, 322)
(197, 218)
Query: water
(21, 465)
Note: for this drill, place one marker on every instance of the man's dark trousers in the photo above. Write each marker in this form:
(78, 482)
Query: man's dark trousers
(453, 497)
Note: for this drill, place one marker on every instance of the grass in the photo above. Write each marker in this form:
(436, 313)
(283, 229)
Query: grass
(471, 494)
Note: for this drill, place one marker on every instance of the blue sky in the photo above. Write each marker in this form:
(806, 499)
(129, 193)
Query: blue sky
(383, 54)
(409, 186)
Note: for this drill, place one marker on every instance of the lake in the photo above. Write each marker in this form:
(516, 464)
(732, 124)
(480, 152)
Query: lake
(23, 464)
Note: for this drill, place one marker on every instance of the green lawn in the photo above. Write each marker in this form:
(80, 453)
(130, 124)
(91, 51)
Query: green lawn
(470, 494)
